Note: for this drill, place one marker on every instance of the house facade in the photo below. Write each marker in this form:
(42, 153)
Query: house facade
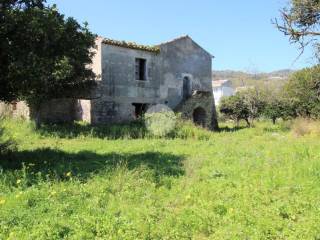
(132, 77)
(222, 88)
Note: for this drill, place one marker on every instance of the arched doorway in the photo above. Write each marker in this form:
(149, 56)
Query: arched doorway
(186, 89)
(199, 116)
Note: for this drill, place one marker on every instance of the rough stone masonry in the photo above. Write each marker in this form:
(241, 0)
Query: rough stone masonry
(134, 77)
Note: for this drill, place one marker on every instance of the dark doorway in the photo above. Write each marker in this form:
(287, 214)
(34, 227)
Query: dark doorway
(186, 88)
(140, 109)
(199, 116)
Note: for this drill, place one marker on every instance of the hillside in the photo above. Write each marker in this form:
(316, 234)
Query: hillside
(239, 78)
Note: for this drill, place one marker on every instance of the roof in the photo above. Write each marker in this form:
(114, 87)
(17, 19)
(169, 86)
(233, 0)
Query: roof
(148, 48)
(175, 39)
(219, 83)
(187, 36)
(131, 45)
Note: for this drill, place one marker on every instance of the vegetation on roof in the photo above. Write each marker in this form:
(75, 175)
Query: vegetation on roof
(131, 45)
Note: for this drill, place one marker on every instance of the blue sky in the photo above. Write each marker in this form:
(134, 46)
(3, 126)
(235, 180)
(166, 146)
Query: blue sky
(238, 33)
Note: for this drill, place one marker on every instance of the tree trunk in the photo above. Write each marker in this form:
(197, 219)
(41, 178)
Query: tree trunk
(274, 121)
(35, 114)
(248, 122)
(237, 123)
(37, 119)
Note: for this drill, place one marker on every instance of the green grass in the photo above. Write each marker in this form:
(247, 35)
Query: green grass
(118, 182)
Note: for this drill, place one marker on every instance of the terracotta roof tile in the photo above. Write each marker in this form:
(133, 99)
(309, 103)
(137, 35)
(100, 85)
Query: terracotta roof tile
(131, 45)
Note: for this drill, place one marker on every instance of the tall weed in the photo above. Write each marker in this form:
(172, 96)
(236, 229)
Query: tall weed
(305, 127)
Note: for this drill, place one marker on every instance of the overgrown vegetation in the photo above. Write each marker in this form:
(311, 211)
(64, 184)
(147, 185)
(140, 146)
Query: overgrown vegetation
(7, 145)
(299, 97)
(43, 55)
(305, 127)
(74, 182)
(303, 90)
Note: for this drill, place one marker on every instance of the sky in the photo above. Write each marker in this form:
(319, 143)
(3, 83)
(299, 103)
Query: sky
(238, 33)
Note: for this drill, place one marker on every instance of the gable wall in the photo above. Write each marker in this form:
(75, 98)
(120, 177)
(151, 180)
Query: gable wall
(184, 58)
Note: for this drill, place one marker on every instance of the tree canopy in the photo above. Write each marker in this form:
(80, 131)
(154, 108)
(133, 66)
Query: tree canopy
(43, 55)
(235, 108)
(303, 91)
(300, 21)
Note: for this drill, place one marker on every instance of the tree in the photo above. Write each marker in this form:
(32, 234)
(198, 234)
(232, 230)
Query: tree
(278, 107)
(254, 101)
(300, 21)
(276, 104)
(235, 108)
(303, 92)
(245, 105)
(43, 55)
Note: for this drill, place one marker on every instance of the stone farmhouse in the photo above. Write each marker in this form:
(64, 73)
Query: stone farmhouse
(133, 77)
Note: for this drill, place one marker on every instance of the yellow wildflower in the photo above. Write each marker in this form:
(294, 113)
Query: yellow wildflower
(53, 193)
(18, 181)
(68, 174)
(2, 201)
(18, 195)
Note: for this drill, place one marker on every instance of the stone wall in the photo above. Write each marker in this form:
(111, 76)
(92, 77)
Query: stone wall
(5, 109)
(83, 110)
(15, 109)
(119, 89)
(53, 111)
(184, 58)
(58, 111)
(204, 101)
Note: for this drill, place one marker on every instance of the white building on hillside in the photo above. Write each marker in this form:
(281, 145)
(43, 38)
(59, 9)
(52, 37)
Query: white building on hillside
(221, 88)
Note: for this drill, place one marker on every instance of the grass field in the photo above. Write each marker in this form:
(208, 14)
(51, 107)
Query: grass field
(79, 182)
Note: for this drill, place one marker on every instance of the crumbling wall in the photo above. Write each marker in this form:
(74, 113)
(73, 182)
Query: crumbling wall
(83, 110)
(15, 109)
(57, 111)
(5, 109)
(202, 100)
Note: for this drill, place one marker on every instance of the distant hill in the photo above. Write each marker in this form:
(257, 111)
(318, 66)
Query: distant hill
(239, 78)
